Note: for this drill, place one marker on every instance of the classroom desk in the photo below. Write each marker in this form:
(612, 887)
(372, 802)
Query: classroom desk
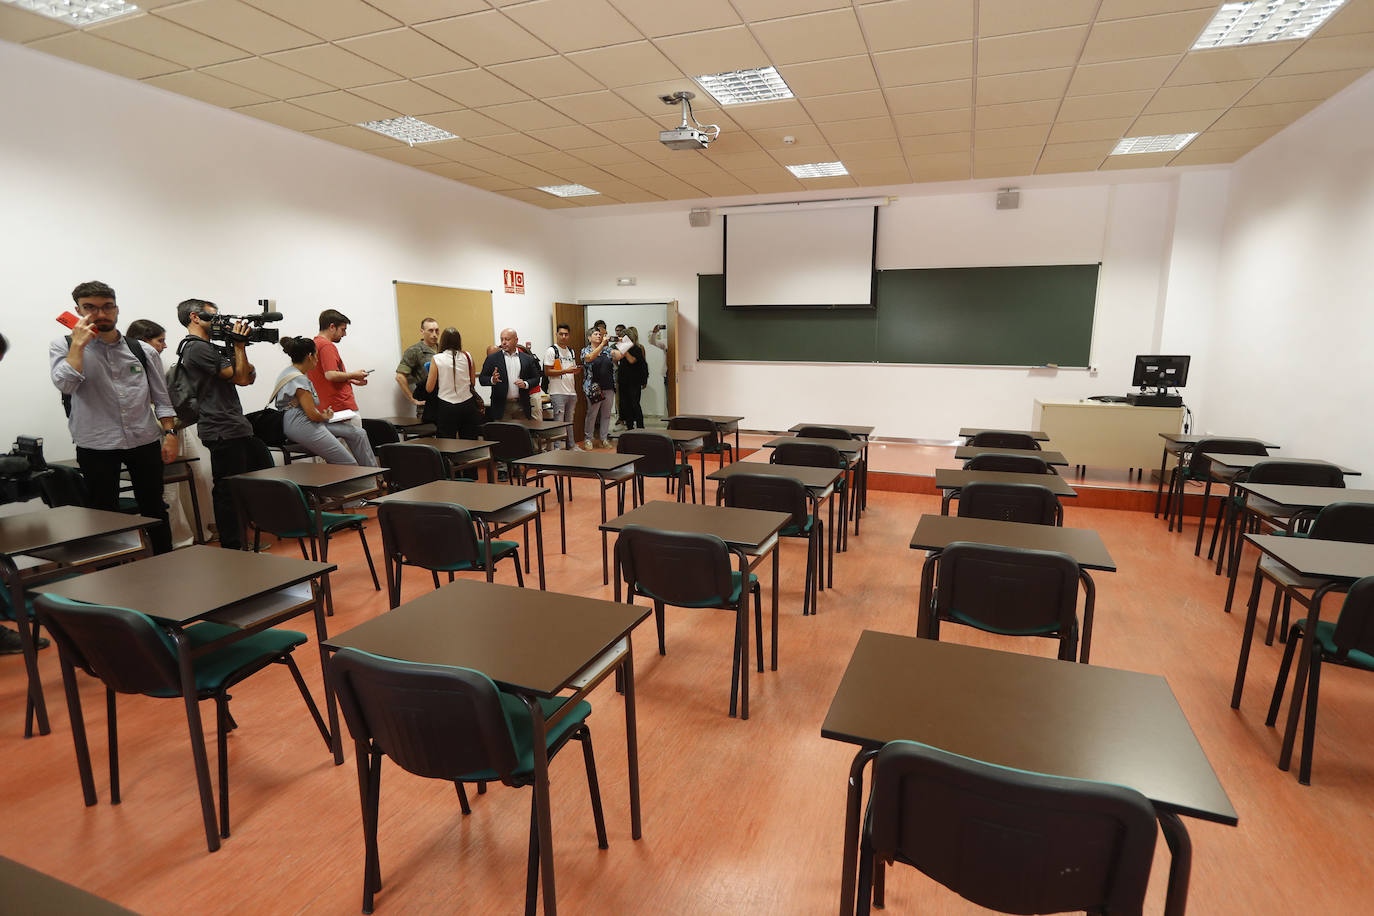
(249, 591)
(860, 432)
(29, 891)
(609, 468)
(968, 432)
(819, 484)
(495, 507)
(965, 452)
(544, 431)
(178, 471)
(936, 532)
(752, 534)
(723, 424)
(532, 644)
(1179, 445)
(850, 450)
(47, 544)
(952, 480)
(1106, 435)
(1027, 713)
(460, 454)
(1336, 564)
(685, 442)
(410, 427)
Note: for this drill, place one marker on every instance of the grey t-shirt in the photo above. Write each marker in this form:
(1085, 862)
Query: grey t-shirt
(286, 399)
(221, 414)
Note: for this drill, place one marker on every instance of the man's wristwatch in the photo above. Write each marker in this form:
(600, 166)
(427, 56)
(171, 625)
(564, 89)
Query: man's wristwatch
(168, 432)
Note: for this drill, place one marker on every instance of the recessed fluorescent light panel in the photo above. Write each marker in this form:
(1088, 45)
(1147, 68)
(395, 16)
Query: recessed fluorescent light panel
(409, 130)
(568, 190)
(1165, 143)
(1265, 20)
(818, 170)
(76, 12)
(741, 86)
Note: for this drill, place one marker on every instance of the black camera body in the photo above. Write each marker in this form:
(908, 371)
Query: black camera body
(222, 326)
(18, 467)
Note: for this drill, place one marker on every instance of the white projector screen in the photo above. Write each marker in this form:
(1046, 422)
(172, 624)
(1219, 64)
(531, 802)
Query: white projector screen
(800, 257)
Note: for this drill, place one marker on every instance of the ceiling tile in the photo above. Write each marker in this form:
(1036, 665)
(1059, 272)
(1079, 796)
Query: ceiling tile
(828, 77)
(1086, 149)
(354, 137)
(486, 38)
(691, 163)
(464, 151)
(881, 171)
(815, 36)
(405, 51)
(1058, 166)
(1280, 114)
(868, 149)
(469, 124)
(594, 106)
(1223, 139)
(21, 26)
(1127, 39)
(167, 40)
(931, 64)
(1192, 156)
(238, 24)
(207, 89)
(627, 65)
(455, 170)
(407, 155)
(756, 159)
(636, 169)
(526, 116)
(606, 155)
(934, 122)
(669, 188)
(1320, 54)
(572, 137)
(489, 182)
(1005, 17)
(1010, 169)
(1196, 98)
(539, 199)
(767, 181)
(515, 145)
(627, 130)
(1030, 51)
(1070, 133)
(655, 18)
(268, 78)
(1136, 161)
(938, 143)
(1121, 76)
(769, 114)
(1108, 105)
(406, 97)
(721, 186)
(1130, 9)
(1355, 16)
(547, 76)
(912, 23)
(993, 155)
(346, 107)
(940, 166)
(588, 175)
(861, 129)
(1023, 87)
(648, 99)
(473, 88)
(820, 184)
(847, 107)
(1003, 137)
(1018, 114)
(329, 19)
(930, 97)
(1300, 87)
(288, 115)
(1178, 122)
(654, 151)
(333, 65)
(772, 137)
(716, 51)
(413, 11)
(1219, 64)
(741, 141)
(573, 25)
(104, 55)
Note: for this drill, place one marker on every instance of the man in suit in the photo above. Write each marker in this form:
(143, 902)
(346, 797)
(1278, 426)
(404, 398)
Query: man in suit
(510, 373)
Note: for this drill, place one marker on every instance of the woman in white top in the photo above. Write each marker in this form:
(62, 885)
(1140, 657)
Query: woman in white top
(451, 374)
(304, 422)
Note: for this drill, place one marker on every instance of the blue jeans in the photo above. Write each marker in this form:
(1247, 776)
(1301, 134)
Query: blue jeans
(564, 409)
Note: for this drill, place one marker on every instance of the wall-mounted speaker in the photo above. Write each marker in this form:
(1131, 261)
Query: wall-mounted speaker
(1008, 198)
(699, 218)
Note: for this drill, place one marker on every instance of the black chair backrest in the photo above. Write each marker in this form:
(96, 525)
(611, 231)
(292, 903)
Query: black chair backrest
(1199, 464)
(60, 485)
(509, 440)
(1007, 589)
(1355, 627)
(659, 453)
(1352, 522)
(822, 432)
(680, 568)
(1012, 841)
(274, 506)
(410, 465)
(380, 432)
(807, 454)
(772, 494)
(710, 442)
(994, 439)
(432, 720)
(1009, 502)
(1302, 474)
(1016, 464)
(430, 535)
(123, 648)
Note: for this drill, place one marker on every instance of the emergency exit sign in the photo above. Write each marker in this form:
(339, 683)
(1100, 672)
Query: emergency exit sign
(515, 282)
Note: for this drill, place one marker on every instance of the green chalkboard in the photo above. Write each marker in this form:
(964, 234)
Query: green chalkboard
(982, 316)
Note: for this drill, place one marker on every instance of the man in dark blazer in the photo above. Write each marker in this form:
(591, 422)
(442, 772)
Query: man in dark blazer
(510, 373)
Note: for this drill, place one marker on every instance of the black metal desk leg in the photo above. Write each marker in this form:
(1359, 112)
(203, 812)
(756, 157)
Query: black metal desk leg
(193, 723)
(35, 705)
(539, 543)
(1251, 612)
(776, 551)
(1159, 490)
(631, 736)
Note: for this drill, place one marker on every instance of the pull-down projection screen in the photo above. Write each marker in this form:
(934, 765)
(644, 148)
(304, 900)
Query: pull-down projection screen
(813, 258)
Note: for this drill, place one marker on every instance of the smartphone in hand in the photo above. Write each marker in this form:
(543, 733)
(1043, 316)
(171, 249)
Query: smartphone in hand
(68, 320)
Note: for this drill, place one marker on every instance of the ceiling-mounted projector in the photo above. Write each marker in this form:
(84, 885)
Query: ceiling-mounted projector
(690, 134)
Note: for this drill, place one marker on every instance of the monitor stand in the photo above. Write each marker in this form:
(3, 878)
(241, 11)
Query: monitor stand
(1157, 398)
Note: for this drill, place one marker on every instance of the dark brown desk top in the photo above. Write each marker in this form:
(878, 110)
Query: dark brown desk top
(540, 427)
(1249, 461)
(809, 477)
(180, 459)
(44, 528)
(965, 452)
(1194, 439)
(477, 498)
(188, 584)
(403, 421)
(525, 640)
(847, 447)
(719, 420)
(1035, 434)
(311, 475)
(954, 478)
(679, 436)
(1036, 714)
(1305, 497)
(862, 432)
(748, 528)
(25, 890)
(569, 460)
(452, 446)
(935, 532)
(1316, 558)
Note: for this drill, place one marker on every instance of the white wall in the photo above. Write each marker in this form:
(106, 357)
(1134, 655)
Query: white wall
(166, 198)
(1294, 328)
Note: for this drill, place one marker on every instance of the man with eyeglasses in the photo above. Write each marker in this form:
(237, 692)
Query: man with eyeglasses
(121, 415)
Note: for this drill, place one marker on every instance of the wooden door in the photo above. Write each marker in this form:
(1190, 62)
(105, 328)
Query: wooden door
(670, 358)
(575, 316)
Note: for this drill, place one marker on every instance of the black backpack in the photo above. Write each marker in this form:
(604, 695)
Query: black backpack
(183, 391)
(135, 347)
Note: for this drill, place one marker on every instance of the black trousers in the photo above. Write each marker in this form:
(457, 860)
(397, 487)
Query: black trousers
(631, 413)
(227, 458)
(458, 421)
(101, 469)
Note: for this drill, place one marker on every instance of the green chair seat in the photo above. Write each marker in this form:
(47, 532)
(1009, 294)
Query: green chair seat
(522, 731)
(329, 522)
(1326, 638)
(499, 550)
(799, 531)
(218, 667)
(674, 472)
(980, 625)
(713, 602)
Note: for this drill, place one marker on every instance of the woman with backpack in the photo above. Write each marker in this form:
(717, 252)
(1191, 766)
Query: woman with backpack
(303, 420)
(453, 376)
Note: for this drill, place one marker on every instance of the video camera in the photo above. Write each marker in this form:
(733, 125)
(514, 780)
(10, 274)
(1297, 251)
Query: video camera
(18, 467)
(222, 326)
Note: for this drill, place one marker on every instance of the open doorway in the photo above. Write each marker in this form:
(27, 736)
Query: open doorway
(645, 318)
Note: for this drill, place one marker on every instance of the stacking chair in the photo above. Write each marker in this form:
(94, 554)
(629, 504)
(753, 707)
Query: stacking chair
(1013, 464)
(439, 538)
(409, 465)
(380, 432)
(1011, 502)
(712, 443)
(782, 494)
(1012, 592)
(1199, 467)
(61, 485)
(510, 442)
(131, 653)
(812, 455)
(1349, 642)
(994, 439)
(1008, 840)
(860, 501)
(278, 507)
(452, 724)
(658, 459)
(693, 570)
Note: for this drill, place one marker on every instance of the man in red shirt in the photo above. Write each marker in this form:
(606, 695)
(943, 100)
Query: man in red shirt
(333, 383)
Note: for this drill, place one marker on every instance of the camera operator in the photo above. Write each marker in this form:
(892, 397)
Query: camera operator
(223, 429)
(106, 377)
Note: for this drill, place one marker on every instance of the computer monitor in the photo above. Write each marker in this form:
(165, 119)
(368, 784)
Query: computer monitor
(1160, 372)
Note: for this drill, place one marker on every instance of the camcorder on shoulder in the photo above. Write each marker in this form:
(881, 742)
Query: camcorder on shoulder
(222, 325)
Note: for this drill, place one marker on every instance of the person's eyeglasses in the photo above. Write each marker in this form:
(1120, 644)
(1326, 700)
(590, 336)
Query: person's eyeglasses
(103, 308)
